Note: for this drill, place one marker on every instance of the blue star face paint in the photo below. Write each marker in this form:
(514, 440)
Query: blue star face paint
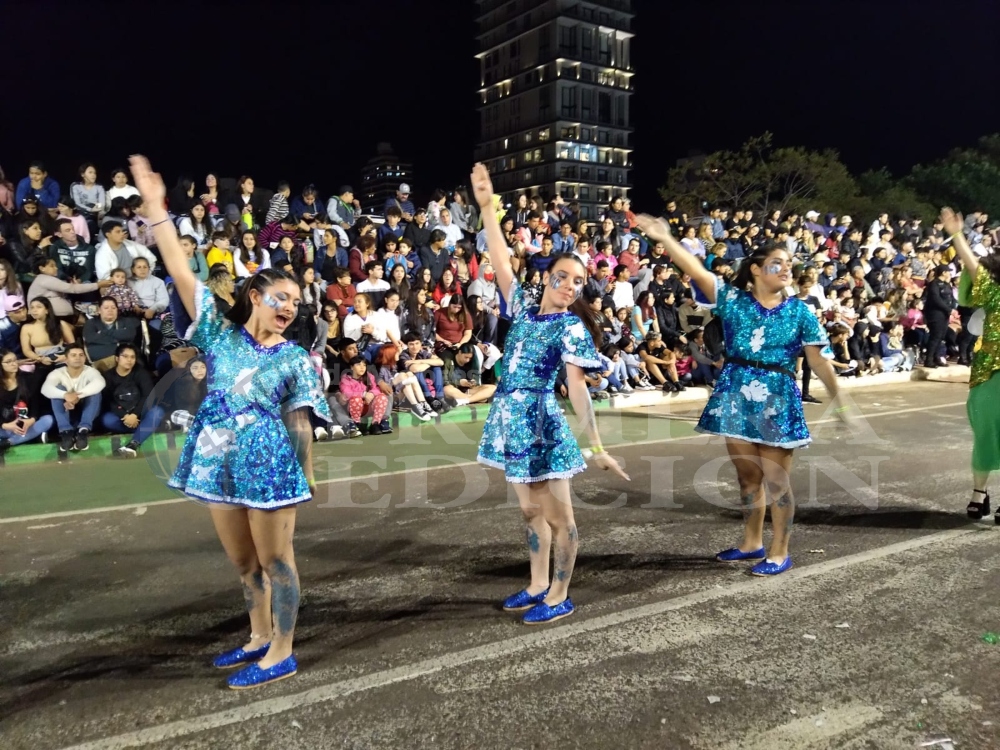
(271, 302)
(773, 268)
(560, 278)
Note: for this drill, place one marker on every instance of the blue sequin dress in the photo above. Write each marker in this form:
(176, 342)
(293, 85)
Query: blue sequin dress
(526, 433)
(237, 450)
(752, 403)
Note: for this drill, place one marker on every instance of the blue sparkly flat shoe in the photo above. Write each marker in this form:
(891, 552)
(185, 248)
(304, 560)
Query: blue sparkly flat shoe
(238, 656)
(736, 555)
(771, 568)
(542, 613)
(253, 676)
(523, 600)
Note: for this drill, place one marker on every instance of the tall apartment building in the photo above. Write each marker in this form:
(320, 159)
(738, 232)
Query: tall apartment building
(556, 80)
(381, 178)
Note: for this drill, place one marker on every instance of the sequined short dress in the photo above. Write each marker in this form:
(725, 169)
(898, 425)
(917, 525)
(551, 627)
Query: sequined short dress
(754, 403)
(526, 433)
(237, 450)
(983, 406)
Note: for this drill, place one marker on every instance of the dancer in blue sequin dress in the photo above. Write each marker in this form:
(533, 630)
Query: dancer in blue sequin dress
(526, 433)
(248, 451)
(756, 405)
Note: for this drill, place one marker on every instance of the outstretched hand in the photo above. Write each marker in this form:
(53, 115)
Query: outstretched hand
(606, 461)
(652, 226)
(952, 221)
(482, 186)
(148, 182)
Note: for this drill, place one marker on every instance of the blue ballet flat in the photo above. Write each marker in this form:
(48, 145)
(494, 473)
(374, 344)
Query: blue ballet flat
(523, 600)
(736, 555)
(253, 676)
(771, 568)
(238, 656)
(542, 613)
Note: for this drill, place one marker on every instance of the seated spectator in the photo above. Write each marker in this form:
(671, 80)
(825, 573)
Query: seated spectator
(306, 207)
(360, 325)
(89, 196)
(47, 284)
(691, 315)
(360, 256)
(435, 257)
(16, 313)
(75, 259)
(463, 377)
(127, 388)
(452, 231)
(452, 327)
(75, 393)
(197, 224)
(330, 256)
(542, 260)
(622, 295)
(118, 252)
(360, 394)
(9, 284)
(485, 288)
(661, 364)
(418, 318)
(402, 383)
(45, 338)
(186, 394)
(287, 256)
(38, 184)
(684, 363)
(464, 264)
(706, 368)
(388, 322)
(124, 295)
(196, 258)
(103, 334)
(422, 362)
(374, 286)
(615, 370)
(219, 253)
(446, 287)
(342, 293)
(644, 315)
(152, 292)
(638, 373)
(391, 230)
(402, 202)
(19, 420)
(22, 251)
(222, 284)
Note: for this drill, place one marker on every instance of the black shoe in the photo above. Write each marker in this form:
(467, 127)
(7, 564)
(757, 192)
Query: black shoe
(978, 510)
(384, 427)
(82, 441)
(4, 445)
(807, 399)
(66, 441)
(670, 387)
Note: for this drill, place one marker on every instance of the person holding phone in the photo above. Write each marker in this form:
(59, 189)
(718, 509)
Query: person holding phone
(17, 425)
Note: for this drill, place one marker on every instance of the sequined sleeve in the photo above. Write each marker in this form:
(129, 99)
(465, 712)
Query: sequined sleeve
(303, 387)
(517, 303)
(209, 324)
(578, 346)
(725, 295)
(811, 332)
(985, 291)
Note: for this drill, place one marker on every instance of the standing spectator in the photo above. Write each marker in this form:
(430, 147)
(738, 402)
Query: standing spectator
(151, 291)
(939, 301)
(48, 284)
(75, 394)
(343, 209)
(127, 388)
(75, 259)
(19, 419)
(402, 202)
(40, 185)
(118, 252)
(103, 334)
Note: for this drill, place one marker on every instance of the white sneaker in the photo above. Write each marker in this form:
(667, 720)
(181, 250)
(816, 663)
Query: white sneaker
(419, 412)
(321, 434)
(428, 410)
(626, 388)
(337, 432)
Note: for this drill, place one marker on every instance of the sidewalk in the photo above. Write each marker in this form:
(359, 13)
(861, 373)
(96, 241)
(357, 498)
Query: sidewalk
(103, 446)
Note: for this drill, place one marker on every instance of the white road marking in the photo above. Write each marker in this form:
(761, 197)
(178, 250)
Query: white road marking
(808, 731)
(497, 650)
(338, 480)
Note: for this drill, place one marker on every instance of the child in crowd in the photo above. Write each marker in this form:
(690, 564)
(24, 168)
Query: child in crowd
(363, 397)
(123, 294)
(402, 383)
(219, 252)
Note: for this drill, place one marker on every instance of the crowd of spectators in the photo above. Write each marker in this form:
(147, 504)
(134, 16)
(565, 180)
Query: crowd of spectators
(402, 312)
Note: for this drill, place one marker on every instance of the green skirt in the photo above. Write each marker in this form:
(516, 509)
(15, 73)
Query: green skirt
(983, 408)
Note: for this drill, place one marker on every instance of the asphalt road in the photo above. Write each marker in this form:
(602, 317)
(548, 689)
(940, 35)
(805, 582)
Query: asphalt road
(873, 640)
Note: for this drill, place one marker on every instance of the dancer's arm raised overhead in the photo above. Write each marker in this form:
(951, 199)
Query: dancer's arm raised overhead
(659, 231)
(153, 191)
(953, 225)
(496, 245)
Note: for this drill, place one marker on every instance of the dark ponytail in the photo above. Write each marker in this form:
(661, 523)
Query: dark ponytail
(239, 314)
(744, 278)
(580, 307)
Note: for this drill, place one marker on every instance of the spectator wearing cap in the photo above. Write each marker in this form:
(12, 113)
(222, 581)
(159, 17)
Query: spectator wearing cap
(402, 202)
(343, 208)
(10, 324)
(48, 284)
(38, 184)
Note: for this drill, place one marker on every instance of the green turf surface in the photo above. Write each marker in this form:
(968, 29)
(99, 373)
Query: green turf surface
(96, 481)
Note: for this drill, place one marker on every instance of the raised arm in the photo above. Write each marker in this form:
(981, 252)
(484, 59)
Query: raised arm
(151, 187)
(954, 226)
(496, 245)
(658, 230)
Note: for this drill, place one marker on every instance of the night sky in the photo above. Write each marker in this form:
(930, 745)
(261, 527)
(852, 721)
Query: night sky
(304, 91)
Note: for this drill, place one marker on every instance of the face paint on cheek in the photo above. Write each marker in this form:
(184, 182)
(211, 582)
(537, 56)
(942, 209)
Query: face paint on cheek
(556, 282)
(772, 269)
(271, 302)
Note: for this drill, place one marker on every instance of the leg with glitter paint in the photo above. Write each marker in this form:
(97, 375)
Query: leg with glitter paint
(538, 535)
(233, 527)
(746, 460)
(776, 464)
(558, 509)
(272, 532)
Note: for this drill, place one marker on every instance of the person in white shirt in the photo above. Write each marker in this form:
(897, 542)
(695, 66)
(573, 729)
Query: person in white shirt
(151, 291)
(121, 188)
(387, 321)
(453, 232)
(374, 286)
(623, 295)
(118, 252)
(197, 225)
(985, 246)
(75, 392)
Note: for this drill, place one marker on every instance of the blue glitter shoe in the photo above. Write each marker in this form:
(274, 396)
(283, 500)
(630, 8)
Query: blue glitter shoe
(542, 613)
(522, 600)
(253, 676)
(736, 555)
(238, 656)
(771, 568)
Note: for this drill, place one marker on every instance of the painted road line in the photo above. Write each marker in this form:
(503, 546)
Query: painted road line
(364, 477)
(497, 650)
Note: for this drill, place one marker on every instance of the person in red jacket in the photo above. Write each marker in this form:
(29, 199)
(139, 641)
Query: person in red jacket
(342, 293)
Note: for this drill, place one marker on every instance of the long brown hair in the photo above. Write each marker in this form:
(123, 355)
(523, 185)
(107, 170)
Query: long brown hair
(580, 307)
